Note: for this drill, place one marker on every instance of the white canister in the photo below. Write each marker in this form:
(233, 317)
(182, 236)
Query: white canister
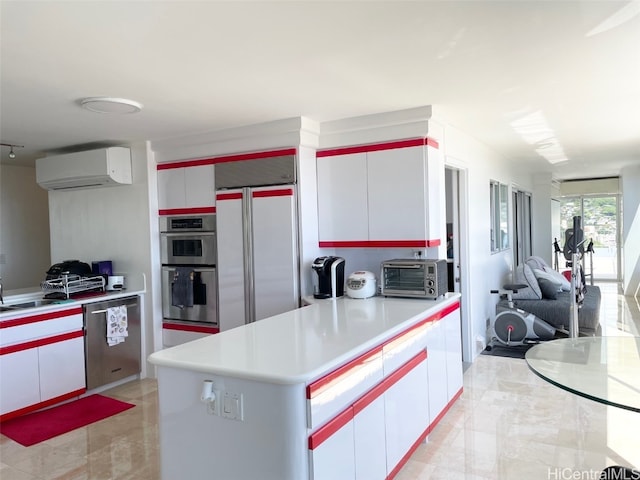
(361, 284)
(115, 282)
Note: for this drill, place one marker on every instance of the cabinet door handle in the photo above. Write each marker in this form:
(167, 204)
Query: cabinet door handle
(105, 310)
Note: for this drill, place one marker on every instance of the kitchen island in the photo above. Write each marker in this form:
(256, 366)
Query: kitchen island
(344, 388)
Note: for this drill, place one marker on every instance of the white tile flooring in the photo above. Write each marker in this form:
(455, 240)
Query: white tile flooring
(509, 424)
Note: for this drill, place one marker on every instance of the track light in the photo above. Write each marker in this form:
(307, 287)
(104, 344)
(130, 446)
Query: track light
(12, 154)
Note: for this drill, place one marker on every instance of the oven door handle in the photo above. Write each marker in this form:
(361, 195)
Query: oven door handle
(188, 234)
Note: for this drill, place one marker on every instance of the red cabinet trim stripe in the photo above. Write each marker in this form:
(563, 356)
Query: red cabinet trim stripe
(375, 147)
(388, 382)
(280, 192)
(324, 432)
(407, 455)
(255, 155)
(379, 243)
(40, 342)
(185, 163)
(320, 385)
(229, 196)
(186, 211)
(445, 409)
(40, 405)
(190, 328)
(225, 158)
(340, 420)
(40, 317)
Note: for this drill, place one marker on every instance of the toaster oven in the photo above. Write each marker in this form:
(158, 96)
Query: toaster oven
(407, 277)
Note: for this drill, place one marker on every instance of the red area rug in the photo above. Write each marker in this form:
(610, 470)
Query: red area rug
(45, 424)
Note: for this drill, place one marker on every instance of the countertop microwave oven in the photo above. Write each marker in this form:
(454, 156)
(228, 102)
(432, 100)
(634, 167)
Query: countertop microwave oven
(410, 277)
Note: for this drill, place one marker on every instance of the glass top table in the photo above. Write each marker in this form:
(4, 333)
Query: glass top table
(604, 369)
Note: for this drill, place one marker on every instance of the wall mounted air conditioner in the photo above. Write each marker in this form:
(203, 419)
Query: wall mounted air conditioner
(94, 168)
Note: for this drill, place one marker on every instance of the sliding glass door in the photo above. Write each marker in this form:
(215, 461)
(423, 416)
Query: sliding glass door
(600, 224)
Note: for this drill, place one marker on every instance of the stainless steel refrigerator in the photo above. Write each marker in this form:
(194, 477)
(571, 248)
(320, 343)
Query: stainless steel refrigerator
(257, 236)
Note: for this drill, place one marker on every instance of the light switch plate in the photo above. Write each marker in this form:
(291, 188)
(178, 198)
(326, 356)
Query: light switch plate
(232, 406)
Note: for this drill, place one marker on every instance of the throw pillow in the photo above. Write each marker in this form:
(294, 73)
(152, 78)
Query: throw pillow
(566, 285)
(549, 289)
(524, 275)
(536, 262)
(541, 274)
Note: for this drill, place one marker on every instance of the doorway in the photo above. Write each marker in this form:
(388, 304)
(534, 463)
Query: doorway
(601, 225)
(456, 215)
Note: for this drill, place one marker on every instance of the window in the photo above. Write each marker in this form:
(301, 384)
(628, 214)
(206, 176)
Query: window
(499, 204)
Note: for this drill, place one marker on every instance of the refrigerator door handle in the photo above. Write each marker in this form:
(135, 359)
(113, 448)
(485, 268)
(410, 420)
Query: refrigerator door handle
(249, 284)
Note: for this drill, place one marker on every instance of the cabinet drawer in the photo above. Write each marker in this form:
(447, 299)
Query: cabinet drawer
(338, 389)
(404, 346)
(40, 326)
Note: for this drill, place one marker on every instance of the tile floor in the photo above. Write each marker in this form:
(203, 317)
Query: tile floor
(509, 424)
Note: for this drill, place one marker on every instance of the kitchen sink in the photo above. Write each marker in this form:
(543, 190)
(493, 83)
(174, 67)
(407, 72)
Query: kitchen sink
(24, 305)
(34, 303)
(7, 308)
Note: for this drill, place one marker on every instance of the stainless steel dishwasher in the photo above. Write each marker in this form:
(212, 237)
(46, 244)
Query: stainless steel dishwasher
(107, 363)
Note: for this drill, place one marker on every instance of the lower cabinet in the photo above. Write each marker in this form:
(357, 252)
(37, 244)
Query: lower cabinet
(370, 438)
(332, 452)
(406, 414)
(61, 371)
(437, 348)
(452, 327)
(19, 380)
(41, 361)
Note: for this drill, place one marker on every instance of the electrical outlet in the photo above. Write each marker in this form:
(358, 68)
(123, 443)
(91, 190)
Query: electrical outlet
(232, 406)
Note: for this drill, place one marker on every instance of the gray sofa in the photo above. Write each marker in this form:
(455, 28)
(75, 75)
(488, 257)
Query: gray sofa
(546, 294)
(557, 312)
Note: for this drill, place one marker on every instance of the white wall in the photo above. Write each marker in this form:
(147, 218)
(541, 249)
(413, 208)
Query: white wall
(631, 230)
(111, 223)
(24, 228)
(483, 271)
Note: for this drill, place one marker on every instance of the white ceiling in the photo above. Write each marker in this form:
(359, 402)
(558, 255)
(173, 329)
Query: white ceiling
(514, 74)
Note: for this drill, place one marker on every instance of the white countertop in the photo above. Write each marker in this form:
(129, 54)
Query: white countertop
(30, 295)
(301, 345)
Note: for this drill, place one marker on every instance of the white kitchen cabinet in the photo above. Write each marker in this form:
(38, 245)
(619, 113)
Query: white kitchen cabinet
(369, 440)
(42, 359)
(451, 323)
(186, 187)
(61, 368)
(19, 380)
(397, 187)
(437, 368)
(406, 411)
(380, 197)
(342, 197)
(334, 458)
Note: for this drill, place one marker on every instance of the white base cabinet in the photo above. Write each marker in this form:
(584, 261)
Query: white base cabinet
(42, 360)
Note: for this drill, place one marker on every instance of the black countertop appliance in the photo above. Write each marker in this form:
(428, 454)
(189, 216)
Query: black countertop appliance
(330, 277)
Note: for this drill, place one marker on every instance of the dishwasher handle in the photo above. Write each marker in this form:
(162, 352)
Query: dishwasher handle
(105, 310)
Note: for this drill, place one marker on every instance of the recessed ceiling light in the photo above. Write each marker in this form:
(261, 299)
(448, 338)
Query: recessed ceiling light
(110, 105)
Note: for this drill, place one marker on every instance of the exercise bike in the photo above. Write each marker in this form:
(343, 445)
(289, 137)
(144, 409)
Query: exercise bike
(514, 327)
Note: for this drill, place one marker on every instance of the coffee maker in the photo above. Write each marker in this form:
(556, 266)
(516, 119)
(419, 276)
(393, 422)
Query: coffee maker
(330, 277)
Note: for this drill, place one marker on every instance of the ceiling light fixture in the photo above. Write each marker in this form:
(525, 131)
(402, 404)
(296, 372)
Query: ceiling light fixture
(110, 105)
(12, 154)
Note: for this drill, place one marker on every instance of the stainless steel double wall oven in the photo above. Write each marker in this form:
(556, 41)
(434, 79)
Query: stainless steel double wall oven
(189, 278)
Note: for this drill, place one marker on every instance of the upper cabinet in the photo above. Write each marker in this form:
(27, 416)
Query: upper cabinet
(186, 187)
(382, 195)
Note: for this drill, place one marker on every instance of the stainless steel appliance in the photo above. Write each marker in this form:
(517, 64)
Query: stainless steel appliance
(189, 276)
(188, 240)
(257, 238)
(407, 277)
(107, 363)
(329, 277)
